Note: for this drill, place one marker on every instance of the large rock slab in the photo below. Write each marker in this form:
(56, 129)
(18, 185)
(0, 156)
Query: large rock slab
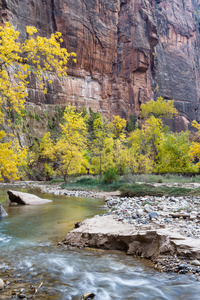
(150, 242)
(3, 213)
(25, 198)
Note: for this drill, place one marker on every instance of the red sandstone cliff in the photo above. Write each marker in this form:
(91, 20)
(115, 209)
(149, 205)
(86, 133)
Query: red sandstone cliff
(125, 48)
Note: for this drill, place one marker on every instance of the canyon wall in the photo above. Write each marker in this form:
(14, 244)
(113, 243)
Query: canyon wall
(128, 51)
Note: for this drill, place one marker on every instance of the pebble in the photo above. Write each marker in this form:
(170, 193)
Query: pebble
(2, 284)
(148, 208)
(22, 296)
(178, 212)
(195, 263)
(153, 215)
(140, 212)
(134, 216)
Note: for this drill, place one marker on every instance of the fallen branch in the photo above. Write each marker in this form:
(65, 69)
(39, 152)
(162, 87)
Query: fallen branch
(36, 290)
(8, 283)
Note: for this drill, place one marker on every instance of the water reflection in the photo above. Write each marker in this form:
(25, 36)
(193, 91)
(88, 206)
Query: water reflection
(49, 221)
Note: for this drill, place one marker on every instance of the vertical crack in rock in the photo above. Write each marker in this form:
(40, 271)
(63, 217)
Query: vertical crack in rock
(91, 15)
(53, 16)
(4, 4)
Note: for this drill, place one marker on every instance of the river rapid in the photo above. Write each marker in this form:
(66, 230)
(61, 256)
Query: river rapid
(29, 253)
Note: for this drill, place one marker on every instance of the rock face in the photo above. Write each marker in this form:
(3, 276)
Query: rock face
(106, 233)
(25, 198)
(3, 213)
(128, 51)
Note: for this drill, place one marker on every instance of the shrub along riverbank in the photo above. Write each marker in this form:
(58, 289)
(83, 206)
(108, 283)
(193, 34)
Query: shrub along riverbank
(139, 185)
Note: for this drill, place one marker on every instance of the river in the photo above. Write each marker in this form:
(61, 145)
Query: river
(29, 252)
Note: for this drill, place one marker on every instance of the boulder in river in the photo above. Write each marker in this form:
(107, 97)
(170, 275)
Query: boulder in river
(3, 213)
(25, 198)
(88, 296)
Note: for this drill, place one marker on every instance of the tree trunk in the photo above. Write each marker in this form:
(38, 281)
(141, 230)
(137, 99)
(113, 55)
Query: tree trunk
(100, 167)
(65, 178)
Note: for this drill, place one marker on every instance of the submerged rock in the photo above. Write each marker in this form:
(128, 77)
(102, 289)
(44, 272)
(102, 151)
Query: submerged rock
(88, 296)
(3, 213)
(25, 198)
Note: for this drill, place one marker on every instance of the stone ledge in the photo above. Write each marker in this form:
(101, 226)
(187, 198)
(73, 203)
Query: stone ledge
(106, 233)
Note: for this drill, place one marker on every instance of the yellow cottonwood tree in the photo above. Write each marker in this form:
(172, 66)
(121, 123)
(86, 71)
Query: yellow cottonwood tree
(118, 126)
(42, 157)
(144, 143)
(139, 153)
(17, 61)
(101, 146)
(152, 131)
(120, 155)
(71, 148)
(195, 146)
(13, 159)
(173, 154)
(115, 151)
(159, 109)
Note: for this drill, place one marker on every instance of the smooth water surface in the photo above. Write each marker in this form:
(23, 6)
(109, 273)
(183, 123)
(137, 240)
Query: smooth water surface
(28, 245)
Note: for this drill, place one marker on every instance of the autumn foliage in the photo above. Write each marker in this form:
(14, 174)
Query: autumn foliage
(91, 144)
(17, 61)
(87, 143)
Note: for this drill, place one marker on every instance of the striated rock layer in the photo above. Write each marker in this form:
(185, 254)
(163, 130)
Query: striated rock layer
(128, 52)
(106, 233)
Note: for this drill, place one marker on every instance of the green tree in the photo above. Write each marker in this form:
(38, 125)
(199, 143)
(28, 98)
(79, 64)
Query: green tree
(173, 154)
(130, 126)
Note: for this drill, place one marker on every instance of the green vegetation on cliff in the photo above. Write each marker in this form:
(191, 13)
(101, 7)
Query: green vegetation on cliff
(78, 142)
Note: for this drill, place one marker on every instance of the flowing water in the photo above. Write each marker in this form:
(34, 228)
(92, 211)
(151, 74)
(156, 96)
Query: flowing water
(29, 251)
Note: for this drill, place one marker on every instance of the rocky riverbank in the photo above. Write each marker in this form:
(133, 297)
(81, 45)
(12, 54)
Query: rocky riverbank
(164, 229)
(57, 190)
